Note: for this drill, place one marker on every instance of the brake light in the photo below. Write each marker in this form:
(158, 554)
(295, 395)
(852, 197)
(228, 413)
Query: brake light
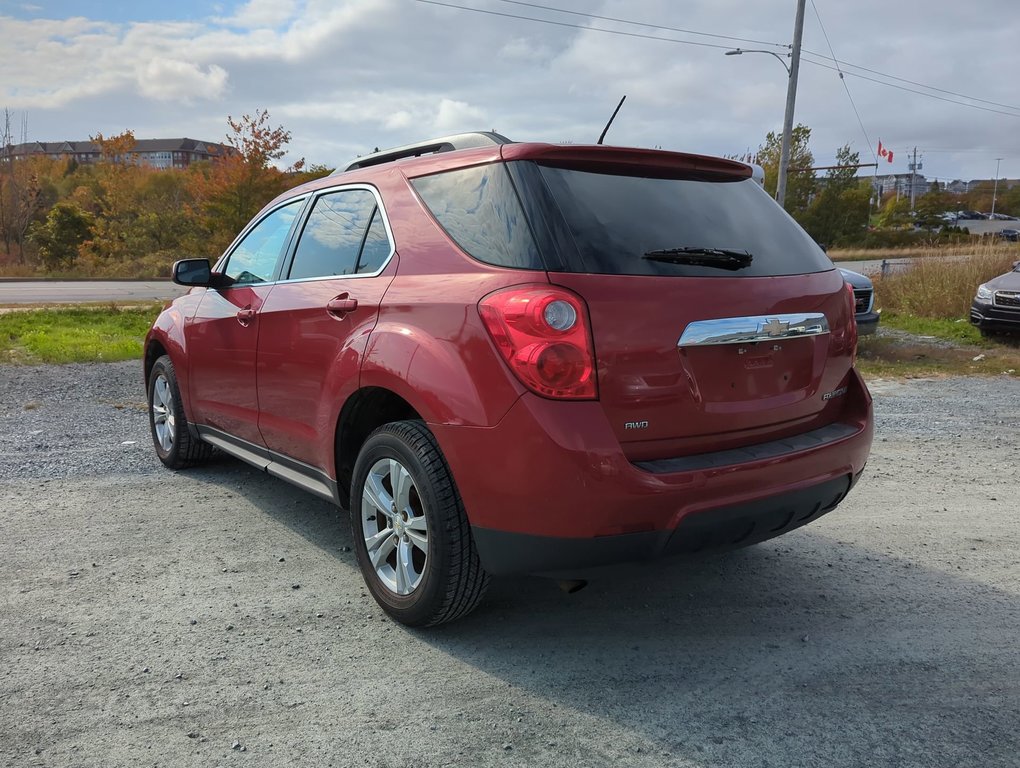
(542, 333)
(852, 329)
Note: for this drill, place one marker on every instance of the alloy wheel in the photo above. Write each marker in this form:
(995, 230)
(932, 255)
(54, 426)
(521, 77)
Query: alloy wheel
(394, 526)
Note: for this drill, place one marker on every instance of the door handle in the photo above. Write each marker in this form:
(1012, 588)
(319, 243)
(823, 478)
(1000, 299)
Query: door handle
(340, 306)
(246, 315)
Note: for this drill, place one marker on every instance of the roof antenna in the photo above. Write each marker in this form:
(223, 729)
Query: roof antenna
(611, 119)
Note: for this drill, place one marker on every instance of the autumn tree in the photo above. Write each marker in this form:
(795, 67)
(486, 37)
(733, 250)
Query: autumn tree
(230, 191)
(61, 234)
(115, 149)
(839, 212)
(800, 185)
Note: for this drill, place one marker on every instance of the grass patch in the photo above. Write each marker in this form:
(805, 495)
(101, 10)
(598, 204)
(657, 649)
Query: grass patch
(926, 251)
(941, 288)
(75, 334)
(910, 357)
(959, 330)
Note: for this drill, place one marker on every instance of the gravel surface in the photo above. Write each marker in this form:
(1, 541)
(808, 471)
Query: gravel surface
(217, 617)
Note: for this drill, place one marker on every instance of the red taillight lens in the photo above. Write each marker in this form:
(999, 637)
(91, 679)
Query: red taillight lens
(852, 332)
(542, 333)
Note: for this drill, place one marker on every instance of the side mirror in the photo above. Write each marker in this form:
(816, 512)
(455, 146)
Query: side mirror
(192, 272)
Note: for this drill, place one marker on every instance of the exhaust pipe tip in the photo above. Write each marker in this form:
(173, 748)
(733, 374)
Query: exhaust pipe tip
(570, 586)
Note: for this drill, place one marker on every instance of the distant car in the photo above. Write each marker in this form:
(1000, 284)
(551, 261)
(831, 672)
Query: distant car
(1013, 235)
(864, 301)
(996, 305)
(1001, 217)
(970, 215)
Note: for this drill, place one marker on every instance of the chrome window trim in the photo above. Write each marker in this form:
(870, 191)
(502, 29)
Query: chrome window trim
(753, 328)
(386, 224)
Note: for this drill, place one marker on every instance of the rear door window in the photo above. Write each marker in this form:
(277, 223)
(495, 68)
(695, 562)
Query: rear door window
(344, 235)
(615, 221)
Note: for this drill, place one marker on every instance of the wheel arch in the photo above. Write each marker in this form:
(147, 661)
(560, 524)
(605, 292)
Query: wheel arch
(363, 412)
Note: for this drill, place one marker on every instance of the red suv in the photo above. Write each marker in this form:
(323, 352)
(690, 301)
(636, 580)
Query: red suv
(511, 358)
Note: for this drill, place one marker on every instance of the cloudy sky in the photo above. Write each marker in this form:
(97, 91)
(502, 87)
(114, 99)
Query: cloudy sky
(345, 76)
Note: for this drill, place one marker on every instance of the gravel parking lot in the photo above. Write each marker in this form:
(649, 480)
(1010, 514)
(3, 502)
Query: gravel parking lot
(217, 616)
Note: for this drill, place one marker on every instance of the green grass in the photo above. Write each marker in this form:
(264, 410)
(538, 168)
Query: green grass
(959, 330)
(74, 334)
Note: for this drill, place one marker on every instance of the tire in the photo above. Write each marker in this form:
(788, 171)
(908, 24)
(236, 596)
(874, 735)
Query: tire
(175, 446)
(419, 561)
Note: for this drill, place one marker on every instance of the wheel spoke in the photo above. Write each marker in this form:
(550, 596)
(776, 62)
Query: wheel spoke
(401, 483)
(158, 414)
(379, 547)
(376, 495)
(405, 569)
(162, 391)
(419, 540)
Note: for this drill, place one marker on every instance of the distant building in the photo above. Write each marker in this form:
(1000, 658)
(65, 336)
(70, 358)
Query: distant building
(155, 153)
(899, 184)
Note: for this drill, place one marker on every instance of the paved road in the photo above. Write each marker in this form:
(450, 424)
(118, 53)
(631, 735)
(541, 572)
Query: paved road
(76, 291)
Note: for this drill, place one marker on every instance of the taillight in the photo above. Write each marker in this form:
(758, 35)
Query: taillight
(542, 333)
(852, 330)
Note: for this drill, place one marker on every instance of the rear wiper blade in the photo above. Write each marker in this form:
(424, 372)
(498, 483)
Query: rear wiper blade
(720, 258)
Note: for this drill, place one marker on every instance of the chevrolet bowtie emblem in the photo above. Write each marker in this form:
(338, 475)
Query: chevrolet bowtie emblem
(775, 327)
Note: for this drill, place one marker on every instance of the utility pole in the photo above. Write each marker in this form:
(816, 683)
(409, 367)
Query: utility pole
(995, 187)
(791, 98)
(914, 168)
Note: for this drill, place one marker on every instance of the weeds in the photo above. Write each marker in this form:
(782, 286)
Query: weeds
(942, 287)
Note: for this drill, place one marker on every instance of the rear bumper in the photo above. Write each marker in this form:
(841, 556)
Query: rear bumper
(549, 487)
(738, 525)
(989, 317)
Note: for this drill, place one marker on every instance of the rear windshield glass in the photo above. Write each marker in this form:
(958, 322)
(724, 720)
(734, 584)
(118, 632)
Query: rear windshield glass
(614, 221)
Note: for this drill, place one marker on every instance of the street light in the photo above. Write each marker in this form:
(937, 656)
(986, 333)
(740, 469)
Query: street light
(791, 96)
(739, 51)
(995, 188)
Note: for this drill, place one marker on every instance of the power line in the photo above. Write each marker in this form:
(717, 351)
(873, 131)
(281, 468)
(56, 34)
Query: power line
(914, 82)
(806, 57)
(574, 26)
(643, 24)
(842, 79)
(911, 90)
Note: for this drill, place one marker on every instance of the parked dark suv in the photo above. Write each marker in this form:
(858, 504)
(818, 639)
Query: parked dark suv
(996, 304)
(515, 358)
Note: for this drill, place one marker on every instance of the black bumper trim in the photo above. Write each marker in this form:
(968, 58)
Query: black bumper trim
(816, 438)
(730, 527)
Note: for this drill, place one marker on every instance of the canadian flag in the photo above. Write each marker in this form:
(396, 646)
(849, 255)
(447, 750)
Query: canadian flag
(884, 151)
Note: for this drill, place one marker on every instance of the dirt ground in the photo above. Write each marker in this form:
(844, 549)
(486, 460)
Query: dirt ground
(216, 617)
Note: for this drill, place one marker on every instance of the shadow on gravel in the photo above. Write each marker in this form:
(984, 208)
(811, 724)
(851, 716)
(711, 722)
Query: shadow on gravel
(803, 651)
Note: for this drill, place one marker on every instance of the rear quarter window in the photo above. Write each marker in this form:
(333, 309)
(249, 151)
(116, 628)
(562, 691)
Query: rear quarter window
(479, 209)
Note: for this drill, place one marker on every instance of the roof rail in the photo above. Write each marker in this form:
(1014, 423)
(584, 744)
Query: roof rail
(432, 146)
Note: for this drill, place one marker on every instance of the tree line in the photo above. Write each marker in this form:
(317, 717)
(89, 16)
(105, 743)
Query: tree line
(842, 209)
(115, 218)
(119, 219)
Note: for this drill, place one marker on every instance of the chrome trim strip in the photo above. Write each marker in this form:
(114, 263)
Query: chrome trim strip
(753, 328)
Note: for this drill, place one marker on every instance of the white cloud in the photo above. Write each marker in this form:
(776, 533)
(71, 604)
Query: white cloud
(175, 80)
(347, 76)
(453, 116)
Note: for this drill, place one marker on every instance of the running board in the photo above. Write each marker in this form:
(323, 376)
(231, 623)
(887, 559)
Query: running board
(295, 472)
